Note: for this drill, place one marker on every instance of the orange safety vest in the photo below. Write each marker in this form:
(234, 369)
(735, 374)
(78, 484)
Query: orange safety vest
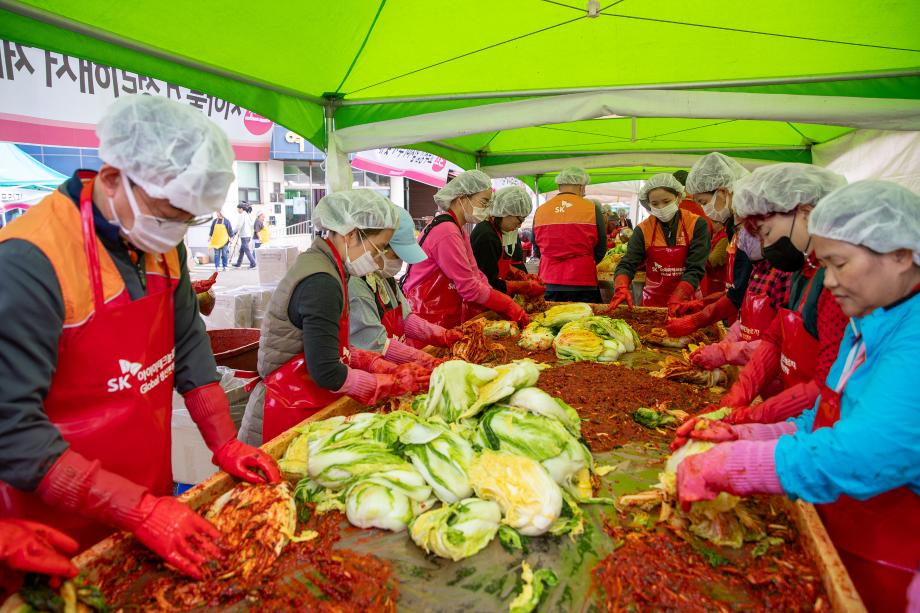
(565, 230)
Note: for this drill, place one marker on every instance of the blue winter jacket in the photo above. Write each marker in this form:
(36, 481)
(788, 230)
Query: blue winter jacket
(875, 446)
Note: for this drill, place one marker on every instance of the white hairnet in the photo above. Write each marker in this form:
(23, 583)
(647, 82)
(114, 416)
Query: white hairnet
(365, 209)
(511, 200)
(572, 176)
(880, 215)
(169, 149)
(712, 171)
(663, 179)
(465, 184)
(781, 188)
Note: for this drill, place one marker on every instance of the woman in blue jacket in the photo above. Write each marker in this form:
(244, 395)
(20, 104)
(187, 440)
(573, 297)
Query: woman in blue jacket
(857, 452)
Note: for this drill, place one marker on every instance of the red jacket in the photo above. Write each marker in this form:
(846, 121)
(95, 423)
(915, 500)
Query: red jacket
(565, 230)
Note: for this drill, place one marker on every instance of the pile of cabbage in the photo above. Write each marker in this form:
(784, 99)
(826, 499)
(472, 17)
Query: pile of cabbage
(579, 335)
(484, 452)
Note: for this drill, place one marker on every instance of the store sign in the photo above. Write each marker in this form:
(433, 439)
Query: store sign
(48, 98)
(418, 165)
(287, 145)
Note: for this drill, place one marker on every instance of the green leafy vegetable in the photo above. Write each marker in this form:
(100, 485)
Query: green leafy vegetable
(533, 585)
(511, 539)
(509, 378)
(557, 316)
(458, 530)
(538, 402)
(453, 389)
(712, 557)
(536, 337)
(650, 418)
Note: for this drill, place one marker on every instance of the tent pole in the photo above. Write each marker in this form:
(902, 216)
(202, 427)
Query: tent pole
(536, 188)
(528, 93)
(338, 168)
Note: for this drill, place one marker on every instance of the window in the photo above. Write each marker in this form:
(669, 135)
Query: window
(247, 178)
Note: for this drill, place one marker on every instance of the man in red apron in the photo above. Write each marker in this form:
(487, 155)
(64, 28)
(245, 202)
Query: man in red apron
(855, 455)
(100, 324)
(673, 244)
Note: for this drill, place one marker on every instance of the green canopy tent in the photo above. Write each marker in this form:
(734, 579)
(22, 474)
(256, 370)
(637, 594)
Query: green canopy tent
(521, 87)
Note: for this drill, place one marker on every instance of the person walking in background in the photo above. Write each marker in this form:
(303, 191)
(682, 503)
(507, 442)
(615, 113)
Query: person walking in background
(260, 230)
(220, 235)
(246, 233)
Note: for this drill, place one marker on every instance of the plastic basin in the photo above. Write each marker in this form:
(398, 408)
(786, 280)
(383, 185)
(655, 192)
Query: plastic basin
(236, 348)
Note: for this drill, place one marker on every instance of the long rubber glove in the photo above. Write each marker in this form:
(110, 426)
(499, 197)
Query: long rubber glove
(528, 288)
(370, 361)
(762, 367)
(170, 529)
(422, 330)
(30, 547)
(369, 388)
(621, 293)
(717, 311)
(719, 354)
(681, 293)
(741, 468)
(502, 304)
(401, 353)
(209, 408)
(790, 402)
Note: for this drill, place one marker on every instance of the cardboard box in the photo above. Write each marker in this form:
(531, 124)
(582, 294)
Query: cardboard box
(232, 309)
(274, 262)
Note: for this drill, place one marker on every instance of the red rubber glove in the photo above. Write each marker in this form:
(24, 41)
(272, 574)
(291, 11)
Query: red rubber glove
(621, 293)
(208, 407)
(740, 468)
(790, 402)
(369, 388)
(516, 274)
(525, 288)
(413, 376)
(30, 547)
(717, 311)
(688, 308)
(762, 368)
(454, 335)
(167, 527)
(204, 285)
(714, 431)
(682, 293)
(370, 361)
(504, 305)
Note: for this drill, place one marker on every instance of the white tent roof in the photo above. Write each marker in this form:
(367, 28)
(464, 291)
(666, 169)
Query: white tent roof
(19, 169)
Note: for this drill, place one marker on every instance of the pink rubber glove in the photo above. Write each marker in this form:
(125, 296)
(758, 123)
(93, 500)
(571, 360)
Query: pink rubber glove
(913, 594)
(504, 305)
(170, 529)
(401, 353)
(369, 388)
(790, 402)
(741, 468)
(210, 410)
(369, 361)
(422, 330)
(724, 353)
(30, 547)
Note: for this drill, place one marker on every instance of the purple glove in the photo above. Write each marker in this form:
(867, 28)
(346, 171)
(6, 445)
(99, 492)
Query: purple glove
(741, 468)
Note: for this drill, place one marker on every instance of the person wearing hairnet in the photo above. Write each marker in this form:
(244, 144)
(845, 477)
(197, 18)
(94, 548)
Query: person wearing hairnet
(711, 183)
(673, 244)
(379, 317)
(801, 343)
(855, 453)
(767, 291)
(305, 358)
(570, 237)
(688, 203)
(100, 323)
(495, 243)
(448, 288)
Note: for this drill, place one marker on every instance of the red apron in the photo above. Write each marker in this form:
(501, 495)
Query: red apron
(291, 395)
(436, 299)
(504, 260)
(392, 318)
(799, 349)
(664, 268)
(715, 279)
(757, 313)
(878, 539)
(111, 395)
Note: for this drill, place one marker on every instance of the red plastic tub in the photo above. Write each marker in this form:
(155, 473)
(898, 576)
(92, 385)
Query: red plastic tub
(235, 347)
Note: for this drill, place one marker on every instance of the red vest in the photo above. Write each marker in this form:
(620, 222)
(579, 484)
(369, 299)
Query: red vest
(565, 230)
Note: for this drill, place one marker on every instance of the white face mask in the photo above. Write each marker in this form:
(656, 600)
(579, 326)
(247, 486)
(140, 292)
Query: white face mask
(509, 241)
(718, 215)
(363, 265)
(149, 234)
(391, 267)
(476, 214)
(665, 213)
